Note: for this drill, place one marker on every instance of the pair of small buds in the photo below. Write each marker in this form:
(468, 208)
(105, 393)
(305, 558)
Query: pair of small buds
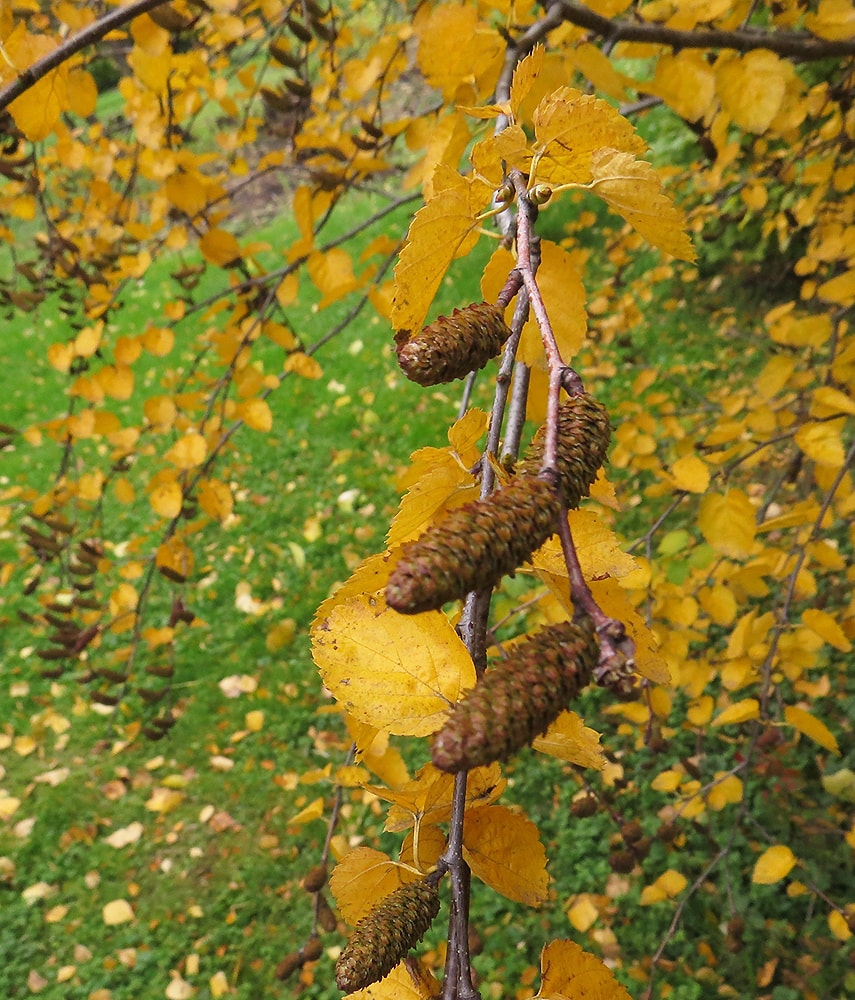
(537, 195)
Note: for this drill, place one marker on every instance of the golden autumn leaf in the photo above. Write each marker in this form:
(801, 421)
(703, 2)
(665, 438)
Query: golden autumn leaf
(362, 878)
(36, 111)
(828, 628)
(220, 247)
(215, 499)
(314, 810)
(427, 797)
(567, 970)
(332, 274)
(164, 800)
(564, 294)
(751, 87)
(504, 850)
(256, 414)
(410, 981)
(823, 442)
(526, 72)
(188, 452)
(773, 864)
(569, 128)
(669, 884)
(811, 727)
(456, 45)
(568, 738)
(117, 911)
(690, 473)
(686, 82)
(634, 190)
(166, 498)
(443, 229)
(599, 549)
(834, 20)
(303, 365)
(740, 711)
(728, 522)
(399, 673)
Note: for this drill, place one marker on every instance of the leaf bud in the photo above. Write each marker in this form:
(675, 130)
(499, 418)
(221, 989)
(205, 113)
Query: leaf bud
(631, 831)
(540, 194)
(622, 862)
(585, 806)
(315, 878)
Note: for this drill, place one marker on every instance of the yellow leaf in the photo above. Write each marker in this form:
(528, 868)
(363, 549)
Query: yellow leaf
(158, 340)
(444, 228)
(82, 92)
(314, 810)
(116, 381)
(667, 781)
(634, 190)
(332, 274)
(669, 884)
(428, 797)
(828, 401)
(773, 864)
(362, 878)
(117, 911)
(179, 988)
(823, 442)
(686, 83)
(215, 499)
(724, 792)
(477, 48)
(9, 805)
(220, 247)
(740, 711)
(570, 128)
(164, 800)
(728, 522)
(397, 672)
(691, 474)
(503, 849)
(188, 451)
(564, 295)
(839, 289)
(303, 365)
(582, 914)
(648, 661)
(256, 414)
(839, 926)
(219, 986)
(811, 727)
(526, 72)
(166, 499)
(752, 87)
(254, 721)
(568, 738)
(598, 547)
(60, 356)
(834, 19)
(125, 835)
(841, 784)
(827, 627)
(37, 111)
(567, 970)
(407, 981)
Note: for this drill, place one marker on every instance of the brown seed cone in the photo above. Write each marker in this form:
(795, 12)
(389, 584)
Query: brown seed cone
(383, 937)
(452, 346)
(583, 440)
(517, 699)
(474, 546)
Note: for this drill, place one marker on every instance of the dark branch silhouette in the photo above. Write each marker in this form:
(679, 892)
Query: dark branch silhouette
(799, 45)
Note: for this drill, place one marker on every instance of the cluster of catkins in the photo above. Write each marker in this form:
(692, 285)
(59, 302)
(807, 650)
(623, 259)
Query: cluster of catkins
(471, 549)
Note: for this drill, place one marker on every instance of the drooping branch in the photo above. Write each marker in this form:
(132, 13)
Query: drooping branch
(799, 45)
(86, 36)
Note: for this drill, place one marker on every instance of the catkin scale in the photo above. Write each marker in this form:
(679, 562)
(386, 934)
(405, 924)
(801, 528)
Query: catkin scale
(517, 699)
(452, 346)
(384, 936)
(474, 546)
(584, 433)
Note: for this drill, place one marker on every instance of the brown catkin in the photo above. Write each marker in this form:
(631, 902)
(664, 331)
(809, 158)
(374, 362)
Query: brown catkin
(517, 699)
(452, 346)
(474, 546)
(383, 937)
(584, 433)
